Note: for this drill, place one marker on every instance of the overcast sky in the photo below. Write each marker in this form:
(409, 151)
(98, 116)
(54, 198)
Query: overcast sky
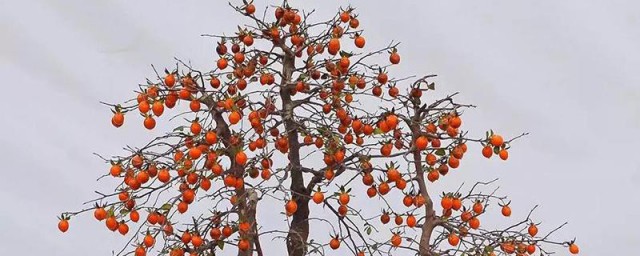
(565, 71)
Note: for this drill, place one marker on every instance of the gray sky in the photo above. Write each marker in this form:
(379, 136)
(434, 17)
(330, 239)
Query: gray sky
(562, 70)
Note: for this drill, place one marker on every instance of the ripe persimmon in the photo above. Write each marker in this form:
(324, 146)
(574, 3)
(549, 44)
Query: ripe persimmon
(149, 123)
(394, 91)
(227, 231)
(359, 41)
(196, 240)
(234, 117)
(433, 175)
(393, 175)
(63, 225)
(164, 176)
(446, 202)
(144, 107)
(333, 46)
(396, 240)
(291, 207)
(466, 216)
(573, 248)
(183, 207)
(123, 228)
(533, 230)
(384, 218)
(431, 159)
(318, 197)
(453, 239)
(456, 203)
(394, 58)
(241, 158)
(371, 191)
(157, 108)
(222, 63)
(354, 23)
(496, 140)
(118, 119)
(478, 207)
(148, 240)
(265, 174)
(504, 154)
(250, 9)
(453, 162)
(329, 174)
(411, 221)
(243, 244)
(487, 151)
(205, 184)
(398, 220)
(401, 184)
(195, 127)
(474, 223)
(115, 170)
(111, 223)
(506, 210)
(188, 196)
(334, 243)
(215, 233)
(407, 200)
(100, 213)
(342, 210)
(383, 188)
(140, 251)
(134, 216)
(344, 198)
(382, 78)
(455, 121)
(421, 142)
(169, 80)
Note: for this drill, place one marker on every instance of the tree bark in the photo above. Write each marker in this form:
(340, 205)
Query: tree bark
(430, 215)
(248, 198)
(248, 213)
(299, 229)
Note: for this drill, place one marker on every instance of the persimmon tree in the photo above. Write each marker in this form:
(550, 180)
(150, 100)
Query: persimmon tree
(295, 119)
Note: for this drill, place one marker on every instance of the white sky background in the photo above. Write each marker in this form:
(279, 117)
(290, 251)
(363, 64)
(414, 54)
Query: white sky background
(562, 70)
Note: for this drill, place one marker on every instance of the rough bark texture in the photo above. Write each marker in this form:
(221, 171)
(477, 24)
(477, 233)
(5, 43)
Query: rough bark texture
(299, 229)
(248, 213)
(248, 197)
(430, 215)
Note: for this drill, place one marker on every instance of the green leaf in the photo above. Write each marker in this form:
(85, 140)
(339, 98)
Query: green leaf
(488, 249)
(179, 128)
(220, 244)
(368, 229)
(440, 152)
(431, 86)
(166, 207)
(377, 131)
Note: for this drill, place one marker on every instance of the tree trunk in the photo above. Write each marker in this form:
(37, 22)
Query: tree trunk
(248, 213)
(299, 229)
(430, 215)
(425, 237)
(248, 198)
